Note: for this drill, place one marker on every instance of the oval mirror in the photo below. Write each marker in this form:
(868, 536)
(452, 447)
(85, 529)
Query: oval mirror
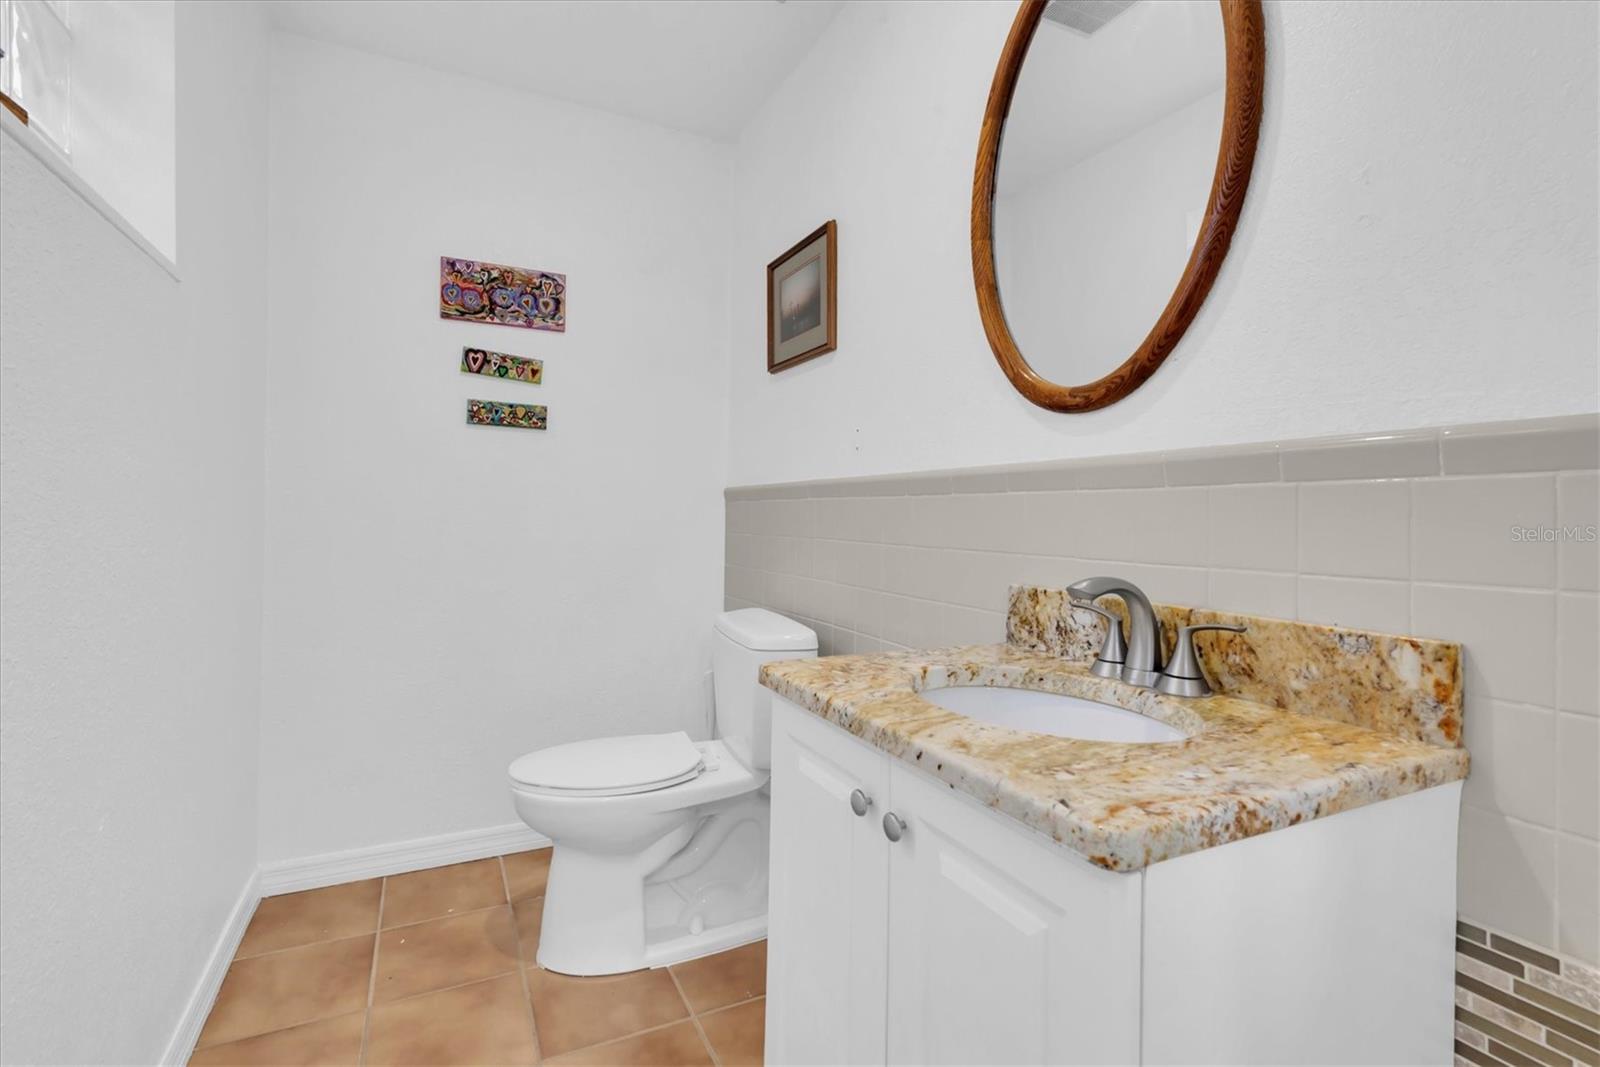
(1103, 205)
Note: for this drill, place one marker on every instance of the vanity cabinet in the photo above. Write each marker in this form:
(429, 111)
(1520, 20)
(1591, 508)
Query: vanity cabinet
(971, 939)
(963, 942)
(828, 908)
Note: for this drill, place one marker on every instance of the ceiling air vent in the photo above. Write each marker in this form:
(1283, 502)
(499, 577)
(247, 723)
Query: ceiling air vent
(1085, 16)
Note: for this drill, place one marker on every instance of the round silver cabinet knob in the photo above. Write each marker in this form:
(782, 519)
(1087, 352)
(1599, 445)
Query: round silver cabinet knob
(894, 827)
(859, 802)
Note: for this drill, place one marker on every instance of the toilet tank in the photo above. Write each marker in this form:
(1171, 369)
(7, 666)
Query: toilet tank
(743, 641)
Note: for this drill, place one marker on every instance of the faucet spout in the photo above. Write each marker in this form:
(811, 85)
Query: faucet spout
(1143, 664)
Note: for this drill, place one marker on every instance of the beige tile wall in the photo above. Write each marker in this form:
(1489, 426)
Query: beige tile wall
(1405, 533)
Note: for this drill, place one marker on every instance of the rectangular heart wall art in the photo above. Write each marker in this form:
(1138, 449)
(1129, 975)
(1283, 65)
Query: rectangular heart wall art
(499, 365)
(470, 291)
(494, 413)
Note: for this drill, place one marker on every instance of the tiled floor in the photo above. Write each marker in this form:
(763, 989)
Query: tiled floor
(436, 967)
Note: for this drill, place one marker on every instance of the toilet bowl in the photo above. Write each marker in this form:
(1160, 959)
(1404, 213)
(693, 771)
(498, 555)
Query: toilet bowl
(660, 842)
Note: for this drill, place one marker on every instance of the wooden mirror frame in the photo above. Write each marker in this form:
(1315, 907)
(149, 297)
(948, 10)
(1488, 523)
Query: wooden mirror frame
(1241, 120)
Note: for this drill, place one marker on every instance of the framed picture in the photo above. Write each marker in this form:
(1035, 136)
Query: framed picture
(802, 312)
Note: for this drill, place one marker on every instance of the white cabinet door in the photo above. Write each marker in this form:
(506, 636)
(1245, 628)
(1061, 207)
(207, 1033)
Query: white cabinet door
(827, 938)
(1002, 949)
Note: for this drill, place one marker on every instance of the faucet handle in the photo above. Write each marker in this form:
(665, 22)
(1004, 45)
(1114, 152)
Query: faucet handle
(1183, 677)
(1113, 650)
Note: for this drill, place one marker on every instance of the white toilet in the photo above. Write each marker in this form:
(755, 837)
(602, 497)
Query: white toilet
(661, 842)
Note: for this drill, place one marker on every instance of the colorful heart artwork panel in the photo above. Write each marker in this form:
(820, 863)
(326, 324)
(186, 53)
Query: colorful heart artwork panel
(494, 413)
(470, 291)
(500, 365)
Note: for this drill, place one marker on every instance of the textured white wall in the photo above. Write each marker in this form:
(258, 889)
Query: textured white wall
(1417, 247)
(441, 598)
(130, 574)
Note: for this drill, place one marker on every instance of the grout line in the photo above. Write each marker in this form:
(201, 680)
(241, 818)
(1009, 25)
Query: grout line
(380, 930)
(448, 988)
(446, 915)
(522, 965)
(637, 1033)
(372, 976)
(720, 1008)
(694, 1017)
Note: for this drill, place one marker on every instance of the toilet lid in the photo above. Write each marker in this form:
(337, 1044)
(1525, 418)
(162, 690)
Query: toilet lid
(610, 766)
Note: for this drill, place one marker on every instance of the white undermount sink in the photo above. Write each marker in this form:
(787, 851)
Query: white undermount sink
(1051, 713)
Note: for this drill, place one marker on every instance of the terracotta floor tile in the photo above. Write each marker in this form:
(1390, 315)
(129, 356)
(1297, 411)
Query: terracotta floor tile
(314, 915)
(527, 873)
(283, 989)
(728, 977)
(441, 891)
(530, 918)
(738, 1034)
(486, 1022)
(673, 1046)
(445, 952)
(572, 1013)
(333, 1042)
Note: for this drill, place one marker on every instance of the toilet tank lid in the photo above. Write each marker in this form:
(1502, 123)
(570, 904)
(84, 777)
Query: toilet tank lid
(765, 631)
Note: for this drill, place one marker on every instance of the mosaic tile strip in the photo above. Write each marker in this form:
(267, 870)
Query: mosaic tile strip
(1518, 1004)
(500, 365)
(494, 413)
(470, 291)
(1409, 686)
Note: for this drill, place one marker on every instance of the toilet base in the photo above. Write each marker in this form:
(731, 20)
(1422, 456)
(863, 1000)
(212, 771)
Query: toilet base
(701, 889)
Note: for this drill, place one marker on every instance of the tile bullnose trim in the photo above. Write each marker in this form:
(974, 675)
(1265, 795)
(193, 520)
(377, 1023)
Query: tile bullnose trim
(1569, 442)
(1557, 443)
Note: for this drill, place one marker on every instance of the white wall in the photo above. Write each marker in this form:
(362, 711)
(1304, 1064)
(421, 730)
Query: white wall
(130, 574)
(1417, 247)
(441, 598)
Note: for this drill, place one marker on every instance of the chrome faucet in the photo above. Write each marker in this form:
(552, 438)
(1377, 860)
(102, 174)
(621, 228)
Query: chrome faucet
(1142, 661)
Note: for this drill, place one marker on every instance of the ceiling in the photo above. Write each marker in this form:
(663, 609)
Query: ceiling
(698, 65)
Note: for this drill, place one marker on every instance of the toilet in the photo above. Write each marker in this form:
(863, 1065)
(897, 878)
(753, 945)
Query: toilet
(661, 842)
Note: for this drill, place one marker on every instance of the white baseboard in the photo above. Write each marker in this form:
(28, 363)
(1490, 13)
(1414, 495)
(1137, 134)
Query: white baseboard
(187, 1032)
(398, 857)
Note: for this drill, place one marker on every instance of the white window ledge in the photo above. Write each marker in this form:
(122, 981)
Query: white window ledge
(41, 150)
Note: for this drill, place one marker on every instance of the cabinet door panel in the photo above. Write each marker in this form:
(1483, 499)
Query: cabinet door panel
(1001, 948)
(827, 936)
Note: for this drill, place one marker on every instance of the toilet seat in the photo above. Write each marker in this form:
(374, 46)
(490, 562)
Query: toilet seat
(610, 766)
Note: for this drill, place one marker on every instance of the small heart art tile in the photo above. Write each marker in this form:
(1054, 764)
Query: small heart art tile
(494, 413)
(500, 365)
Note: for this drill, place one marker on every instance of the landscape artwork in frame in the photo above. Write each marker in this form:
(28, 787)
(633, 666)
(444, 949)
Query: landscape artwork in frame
(802, 312)
(470, 291)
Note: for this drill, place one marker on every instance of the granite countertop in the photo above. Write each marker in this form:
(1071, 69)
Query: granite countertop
(1246, 767)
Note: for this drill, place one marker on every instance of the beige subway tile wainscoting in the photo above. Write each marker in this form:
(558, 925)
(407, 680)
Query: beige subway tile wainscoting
(1431, 533)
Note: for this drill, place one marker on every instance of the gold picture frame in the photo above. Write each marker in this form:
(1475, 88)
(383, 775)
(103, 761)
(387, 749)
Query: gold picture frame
(802, 304)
